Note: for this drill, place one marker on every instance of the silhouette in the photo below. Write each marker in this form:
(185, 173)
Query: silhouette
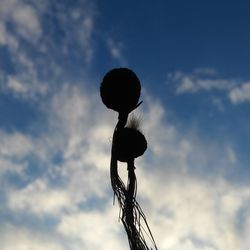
(120, 91)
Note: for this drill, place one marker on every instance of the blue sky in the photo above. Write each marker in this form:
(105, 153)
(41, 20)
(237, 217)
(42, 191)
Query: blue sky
(192, 59)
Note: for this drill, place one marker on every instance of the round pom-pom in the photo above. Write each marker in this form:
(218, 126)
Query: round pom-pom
(120, 90)
(129, 144)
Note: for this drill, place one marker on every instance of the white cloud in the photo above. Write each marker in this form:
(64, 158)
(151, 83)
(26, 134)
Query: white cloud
(246, 243)
(194, 210)
(95, 229)
(41, 58)
(25, 87)
(86, 31)
(70, 107)
(218, 103)
(78, 26)
(39, 198)
(79, 141)
(19, 238)
(6, 38)
(8, 166)
(84, 36)
(44, 197)
(231, 155)
(240, 94)
(17, 149)
(207, 80)
(116, 51)
(187, 85)
(14, 144)
(17, 86)
(8, 6)
(200, 80)
(27, 22)
(24, 17)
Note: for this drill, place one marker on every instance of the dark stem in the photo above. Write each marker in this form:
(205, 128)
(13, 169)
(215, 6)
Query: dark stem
(131, 212)
(131, 193)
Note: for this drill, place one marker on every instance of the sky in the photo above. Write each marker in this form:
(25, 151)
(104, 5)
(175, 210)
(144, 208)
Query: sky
(192, 58)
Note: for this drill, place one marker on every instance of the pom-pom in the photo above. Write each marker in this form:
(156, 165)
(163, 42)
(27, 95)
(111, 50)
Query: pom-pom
(129, 143)
(120, 90)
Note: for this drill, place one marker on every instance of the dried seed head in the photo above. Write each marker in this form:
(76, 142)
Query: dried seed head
(134, 122)
(120, 90)
(129, 144)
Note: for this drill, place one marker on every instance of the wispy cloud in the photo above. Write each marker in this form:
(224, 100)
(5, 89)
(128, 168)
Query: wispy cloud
(24, 19)
(26, 88)
(36, 61)
(115, 50)
(201, 80)
(27, 22)
(207, 80)
(7, 39)
(240, 94)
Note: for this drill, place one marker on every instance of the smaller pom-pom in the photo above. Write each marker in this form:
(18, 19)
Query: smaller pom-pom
(129, 144)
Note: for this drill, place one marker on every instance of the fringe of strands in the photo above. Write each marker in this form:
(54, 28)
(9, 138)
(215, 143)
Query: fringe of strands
(131, 214)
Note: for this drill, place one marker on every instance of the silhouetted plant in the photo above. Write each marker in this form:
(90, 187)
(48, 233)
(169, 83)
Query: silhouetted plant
(120, 91)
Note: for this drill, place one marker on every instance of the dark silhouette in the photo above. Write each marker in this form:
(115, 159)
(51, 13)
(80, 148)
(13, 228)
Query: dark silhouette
(120, 91)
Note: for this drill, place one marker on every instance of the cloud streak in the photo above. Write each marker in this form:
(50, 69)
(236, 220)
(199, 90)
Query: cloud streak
(206, 80)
